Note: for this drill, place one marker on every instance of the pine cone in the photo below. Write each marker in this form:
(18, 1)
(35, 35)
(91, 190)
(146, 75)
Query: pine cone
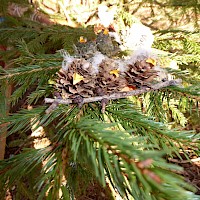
(140, 73)
(78, 80)
(109, 78)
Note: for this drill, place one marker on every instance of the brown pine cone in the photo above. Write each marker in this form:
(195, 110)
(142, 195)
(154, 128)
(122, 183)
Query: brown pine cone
(78, 80)
(109, 79)
(140, 73)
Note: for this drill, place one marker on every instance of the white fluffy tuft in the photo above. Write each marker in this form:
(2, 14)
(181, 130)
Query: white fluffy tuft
(141, 54)
(106, 15)
(96, 60)
(122, 65)
(67, 59)
(138, 36)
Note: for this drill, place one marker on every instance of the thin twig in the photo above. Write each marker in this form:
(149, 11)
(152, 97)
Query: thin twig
(117, 95)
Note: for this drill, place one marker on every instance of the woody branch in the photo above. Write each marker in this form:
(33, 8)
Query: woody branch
(117, 95)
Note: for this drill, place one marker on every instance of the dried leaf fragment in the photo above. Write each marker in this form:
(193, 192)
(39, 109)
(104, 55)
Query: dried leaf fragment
(77, 78)
(128, 88)
(151, 61)
(115, 72)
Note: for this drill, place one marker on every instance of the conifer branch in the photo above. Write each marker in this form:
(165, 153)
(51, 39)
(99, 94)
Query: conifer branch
(30, 70)
(113, 96)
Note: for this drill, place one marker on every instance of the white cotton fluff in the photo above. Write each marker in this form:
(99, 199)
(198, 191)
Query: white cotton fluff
(138, 36)
(96, 60)
(141, 54)
(122, 65)
(67, 59)
(86, 65)
(116, 37)
(162, 74)
(106, 15)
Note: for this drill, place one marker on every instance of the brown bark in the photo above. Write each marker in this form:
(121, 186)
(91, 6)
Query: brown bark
(4, 126)
(6, 93)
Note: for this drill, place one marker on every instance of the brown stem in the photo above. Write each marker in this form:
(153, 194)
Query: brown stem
(3, 134)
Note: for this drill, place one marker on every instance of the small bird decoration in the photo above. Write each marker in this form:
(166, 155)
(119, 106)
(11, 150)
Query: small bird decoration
(85, 49)
(105, 44)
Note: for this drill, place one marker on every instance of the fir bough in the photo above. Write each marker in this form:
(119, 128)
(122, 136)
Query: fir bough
(127, 146)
